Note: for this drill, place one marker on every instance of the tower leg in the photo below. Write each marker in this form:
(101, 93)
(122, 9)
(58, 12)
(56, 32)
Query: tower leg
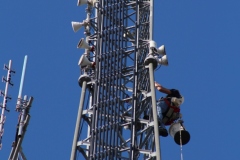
(79, 116)
(154, 109)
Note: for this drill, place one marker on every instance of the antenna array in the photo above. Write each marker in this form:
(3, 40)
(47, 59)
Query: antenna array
(23, 107)
(3, 106)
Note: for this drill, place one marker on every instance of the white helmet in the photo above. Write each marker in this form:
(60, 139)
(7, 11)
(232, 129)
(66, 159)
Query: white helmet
(177, 101)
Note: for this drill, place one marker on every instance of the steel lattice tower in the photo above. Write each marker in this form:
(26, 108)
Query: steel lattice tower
(117, 103)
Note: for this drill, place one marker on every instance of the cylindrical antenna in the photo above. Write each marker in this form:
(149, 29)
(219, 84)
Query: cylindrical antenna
(21, 83)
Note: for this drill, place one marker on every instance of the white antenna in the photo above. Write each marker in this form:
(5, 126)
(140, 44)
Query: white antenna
(5, 98)
(21, 83)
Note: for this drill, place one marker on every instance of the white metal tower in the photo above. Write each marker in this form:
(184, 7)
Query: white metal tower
(117, 82)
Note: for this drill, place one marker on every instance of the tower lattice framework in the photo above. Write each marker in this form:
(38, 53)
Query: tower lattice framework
(117, 109)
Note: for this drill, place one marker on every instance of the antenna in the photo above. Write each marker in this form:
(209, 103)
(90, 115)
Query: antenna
(21, 83)
(23, 106)
(24, 119)
(5, 98)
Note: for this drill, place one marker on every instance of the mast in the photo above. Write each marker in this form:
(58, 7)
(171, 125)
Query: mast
(117, 70)
(3, 106)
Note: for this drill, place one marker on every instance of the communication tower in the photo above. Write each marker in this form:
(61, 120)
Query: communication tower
(117, 116)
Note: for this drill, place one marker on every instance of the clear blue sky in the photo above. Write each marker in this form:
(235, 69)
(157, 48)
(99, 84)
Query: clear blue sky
(202, 42)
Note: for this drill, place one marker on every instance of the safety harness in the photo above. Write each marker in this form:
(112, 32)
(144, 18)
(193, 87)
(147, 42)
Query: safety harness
(171, 114)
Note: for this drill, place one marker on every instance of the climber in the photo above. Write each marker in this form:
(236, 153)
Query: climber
(168, 108)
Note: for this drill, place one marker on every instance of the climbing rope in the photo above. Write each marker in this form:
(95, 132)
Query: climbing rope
(181, 142)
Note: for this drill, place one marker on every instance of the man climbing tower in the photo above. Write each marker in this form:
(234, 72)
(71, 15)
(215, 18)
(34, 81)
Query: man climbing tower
(168, 108)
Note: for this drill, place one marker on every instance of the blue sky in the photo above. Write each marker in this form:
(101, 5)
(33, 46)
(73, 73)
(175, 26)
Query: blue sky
(202, 42)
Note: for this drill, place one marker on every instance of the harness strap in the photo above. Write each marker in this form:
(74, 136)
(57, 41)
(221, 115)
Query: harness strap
(176, 109)
(170, 114)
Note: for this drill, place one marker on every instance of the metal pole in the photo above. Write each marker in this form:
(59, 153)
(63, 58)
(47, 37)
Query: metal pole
(20, 139)
(79, 116)
(12, 150)
(154, 108)
(17, 144)
(89, 128)
(151, 20)
(22, 117)
(5, 101)
(153, 93)
(22, 154)
(133, 146)
(87, 30)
